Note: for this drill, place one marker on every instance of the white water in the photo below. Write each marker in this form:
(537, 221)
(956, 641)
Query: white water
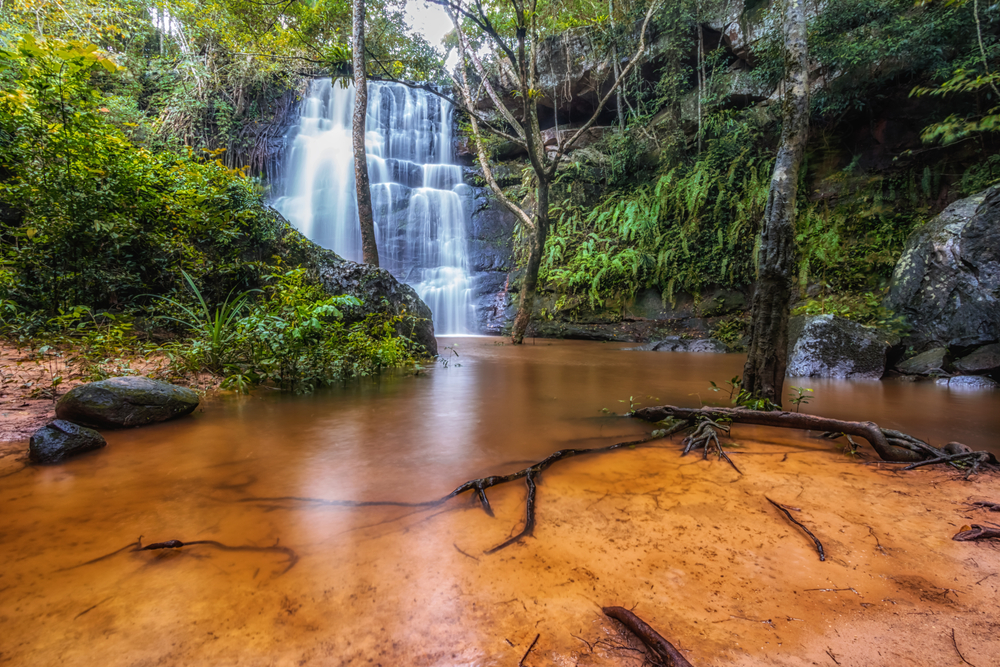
(417, 193)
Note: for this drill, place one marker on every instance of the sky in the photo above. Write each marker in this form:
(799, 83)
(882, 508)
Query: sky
(429, 20)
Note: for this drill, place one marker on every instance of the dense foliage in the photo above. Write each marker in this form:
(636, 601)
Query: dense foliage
(97, 226)
(689, 222)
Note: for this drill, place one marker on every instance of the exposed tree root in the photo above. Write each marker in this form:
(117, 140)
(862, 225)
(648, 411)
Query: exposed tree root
(976, 532)
(293, 558)
(479, 487)
(653, 640)
(705, 434)
(986, 505)
(889, 444)
(784, 510)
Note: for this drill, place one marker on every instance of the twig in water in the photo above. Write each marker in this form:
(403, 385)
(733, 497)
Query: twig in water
(832, 656)
(520, 663)
(463, 553)
(819, 545)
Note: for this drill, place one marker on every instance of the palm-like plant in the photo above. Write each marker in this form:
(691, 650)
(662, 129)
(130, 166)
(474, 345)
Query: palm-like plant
(215, 328)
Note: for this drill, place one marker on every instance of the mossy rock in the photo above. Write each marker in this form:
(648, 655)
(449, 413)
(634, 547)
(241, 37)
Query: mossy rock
(125, 402)
(58, 440)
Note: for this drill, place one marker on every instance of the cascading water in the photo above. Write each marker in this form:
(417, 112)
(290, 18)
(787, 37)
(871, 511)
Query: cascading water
(417, 193)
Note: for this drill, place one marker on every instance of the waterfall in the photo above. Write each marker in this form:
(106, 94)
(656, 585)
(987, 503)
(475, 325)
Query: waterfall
(418, 197)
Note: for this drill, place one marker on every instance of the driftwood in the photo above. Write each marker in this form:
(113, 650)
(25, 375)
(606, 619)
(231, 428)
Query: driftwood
(976, 532)
(889, 444)
(653, 640)
(293, 557)
(784, 510)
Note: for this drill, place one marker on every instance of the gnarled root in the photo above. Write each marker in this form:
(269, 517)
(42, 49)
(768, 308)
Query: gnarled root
(703, 436)
(976, 532)
(889, 444)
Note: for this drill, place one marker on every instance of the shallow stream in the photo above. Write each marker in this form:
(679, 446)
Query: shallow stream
(689, 541)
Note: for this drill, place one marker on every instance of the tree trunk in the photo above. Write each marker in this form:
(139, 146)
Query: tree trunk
(529, 286)
(369, 249)
(764, 372)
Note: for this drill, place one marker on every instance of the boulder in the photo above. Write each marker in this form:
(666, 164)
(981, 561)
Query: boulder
(947, 281)
(58, 440)
(983, 360)
(377, 288)
(970, 382)
(835, 347)
(125, 402)
(678, 344)
(925, 363)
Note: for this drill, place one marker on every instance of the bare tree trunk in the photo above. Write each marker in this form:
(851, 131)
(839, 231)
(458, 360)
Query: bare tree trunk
(369, 249)
(536, 246)
(764, 373)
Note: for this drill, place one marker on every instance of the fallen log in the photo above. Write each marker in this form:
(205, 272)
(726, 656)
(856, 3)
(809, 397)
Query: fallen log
(889, 444)
(653, 640)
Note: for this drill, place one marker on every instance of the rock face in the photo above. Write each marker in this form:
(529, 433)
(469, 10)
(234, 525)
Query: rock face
(59, 440)
(834, 347)
(925, 363)
(947, 281)
(377, 288)
(125, 402)
(678, 344)
(984, 360)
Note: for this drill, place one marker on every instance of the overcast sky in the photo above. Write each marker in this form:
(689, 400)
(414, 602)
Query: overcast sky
(429, 20)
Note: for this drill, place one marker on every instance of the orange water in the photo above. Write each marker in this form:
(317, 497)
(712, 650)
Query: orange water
(400, 585)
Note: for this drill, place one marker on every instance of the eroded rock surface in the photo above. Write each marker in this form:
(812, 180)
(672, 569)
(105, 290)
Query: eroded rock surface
(125, 402)
(947, 281)
(985, 359)
(925, 363)
(59, 440)
(835, 347)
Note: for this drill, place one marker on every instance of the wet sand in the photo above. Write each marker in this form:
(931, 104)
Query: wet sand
(690, 544)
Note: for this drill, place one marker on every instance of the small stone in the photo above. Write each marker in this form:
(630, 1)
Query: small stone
(60, 439)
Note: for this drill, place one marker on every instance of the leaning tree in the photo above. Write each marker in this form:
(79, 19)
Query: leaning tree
(514, 48)
(764, 372)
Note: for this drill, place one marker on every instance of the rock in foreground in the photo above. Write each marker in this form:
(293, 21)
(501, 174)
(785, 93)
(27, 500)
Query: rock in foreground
(125, 402)
(58, 440)
(834, 347)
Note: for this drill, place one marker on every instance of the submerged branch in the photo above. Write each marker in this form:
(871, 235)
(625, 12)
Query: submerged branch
(651, 638)
(784, 510)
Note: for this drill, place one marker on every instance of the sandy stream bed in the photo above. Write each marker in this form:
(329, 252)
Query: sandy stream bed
(690, 545)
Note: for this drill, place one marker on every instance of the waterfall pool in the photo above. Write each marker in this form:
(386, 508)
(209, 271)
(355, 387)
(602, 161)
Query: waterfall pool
(690, 544)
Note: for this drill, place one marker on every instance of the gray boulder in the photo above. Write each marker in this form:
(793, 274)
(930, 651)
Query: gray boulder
(925, 363)
(947, 281)
(678, 344)
(58, 440)
(125, 402)
(983, 360)
(835, 347)
(968, 382)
